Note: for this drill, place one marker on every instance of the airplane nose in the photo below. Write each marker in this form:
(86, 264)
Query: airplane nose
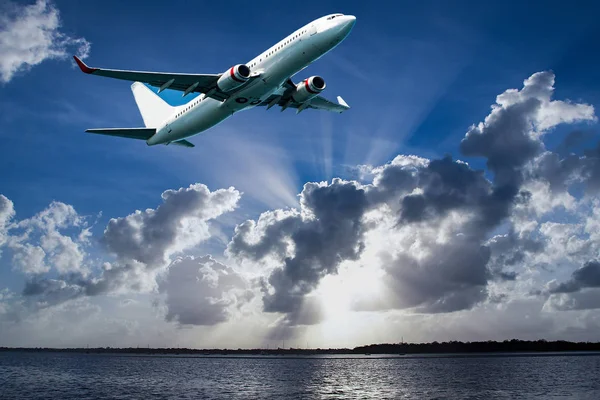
(347, 22)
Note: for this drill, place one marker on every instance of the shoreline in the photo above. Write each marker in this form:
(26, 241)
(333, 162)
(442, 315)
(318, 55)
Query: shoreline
(488, 348)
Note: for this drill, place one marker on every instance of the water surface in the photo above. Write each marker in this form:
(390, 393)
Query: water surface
(94, 376)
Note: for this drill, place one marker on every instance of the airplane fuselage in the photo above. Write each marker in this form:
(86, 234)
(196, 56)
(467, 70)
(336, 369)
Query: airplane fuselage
(274, 66)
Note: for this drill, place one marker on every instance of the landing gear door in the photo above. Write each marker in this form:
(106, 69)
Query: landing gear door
(312, 30)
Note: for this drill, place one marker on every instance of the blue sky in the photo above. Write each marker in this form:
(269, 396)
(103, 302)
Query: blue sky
(416, 74)
(420, 75)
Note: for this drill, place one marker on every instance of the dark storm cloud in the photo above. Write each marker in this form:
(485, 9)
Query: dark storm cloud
(450, 277)
(328, 231)
(587, 276)
(446, 185)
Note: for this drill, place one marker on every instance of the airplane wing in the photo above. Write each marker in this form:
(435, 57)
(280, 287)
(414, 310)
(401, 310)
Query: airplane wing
(187, 83)
(321, 103)
(285, 100)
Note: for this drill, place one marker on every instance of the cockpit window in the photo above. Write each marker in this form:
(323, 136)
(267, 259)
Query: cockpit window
(334, 15)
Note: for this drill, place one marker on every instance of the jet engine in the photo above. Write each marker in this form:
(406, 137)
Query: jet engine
(234, 77)
(309, 88)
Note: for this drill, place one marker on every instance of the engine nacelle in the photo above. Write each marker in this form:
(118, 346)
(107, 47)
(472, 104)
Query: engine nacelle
(234, 77)
(309, 88)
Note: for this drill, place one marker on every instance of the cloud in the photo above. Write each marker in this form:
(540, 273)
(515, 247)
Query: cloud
(7, 212)
(510, 135)
(142, 242)
(574, 139)
(201, 291)
(440, 277)
(447, 185)
(436, 216)
(560, 173)
(54, 291)
(309, 244)
(581, 300)
(591, 169)
(329, 229)
(151, 236)
(587, 276)
(31, 34)
(43, 242)
(29, 259)
(438, 236)
(508, 251)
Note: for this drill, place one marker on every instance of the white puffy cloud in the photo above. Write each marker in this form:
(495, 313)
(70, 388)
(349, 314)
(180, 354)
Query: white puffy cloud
(7, 212)
(65, 254)
(29, 259)
(48, 240)
(142, 242)
(181, 222)
(30, 34)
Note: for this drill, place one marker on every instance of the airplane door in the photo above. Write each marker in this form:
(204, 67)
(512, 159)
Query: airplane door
(312, 29)
(168, 128)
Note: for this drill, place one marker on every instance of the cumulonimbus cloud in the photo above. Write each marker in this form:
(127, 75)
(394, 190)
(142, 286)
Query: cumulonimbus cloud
(448, 274)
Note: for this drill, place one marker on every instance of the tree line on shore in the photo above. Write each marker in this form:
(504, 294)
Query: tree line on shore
(452, 347)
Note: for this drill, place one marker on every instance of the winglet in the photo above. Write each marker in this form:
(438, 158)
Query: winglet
(342, 102)
(84, 68)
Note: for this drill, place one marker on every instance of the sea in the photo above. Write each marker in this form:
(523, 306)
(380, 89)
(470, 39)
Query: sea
(25, 375)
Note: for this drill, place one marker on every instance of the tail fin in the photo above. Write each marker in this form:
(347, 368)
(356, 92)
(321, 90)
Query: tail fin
(154, 110)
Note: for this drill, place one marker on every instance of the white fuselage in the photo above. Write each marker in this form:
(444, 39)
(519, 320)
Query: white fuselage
(275, 66)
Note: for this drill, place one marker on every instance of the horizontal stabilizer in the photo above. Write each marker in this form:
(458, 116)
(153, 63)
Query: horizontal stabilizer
(183, 143)
(131, 133)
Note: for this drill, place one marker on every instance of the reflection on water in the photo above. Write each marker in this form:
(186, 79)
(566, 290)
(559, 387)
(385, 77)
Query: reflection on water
(81, 376)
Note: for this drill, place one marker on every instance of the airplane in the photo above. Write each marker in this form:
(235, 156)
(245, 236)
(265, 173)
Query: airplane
(263, 81)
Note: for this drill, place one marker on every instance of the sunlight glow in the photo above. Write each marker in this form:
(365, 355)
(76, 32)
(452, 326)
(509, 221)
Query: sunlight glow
(339, 292)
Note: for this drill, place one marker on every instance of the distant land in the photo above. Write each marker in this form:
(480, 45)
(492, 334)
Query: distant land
(453, 347)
